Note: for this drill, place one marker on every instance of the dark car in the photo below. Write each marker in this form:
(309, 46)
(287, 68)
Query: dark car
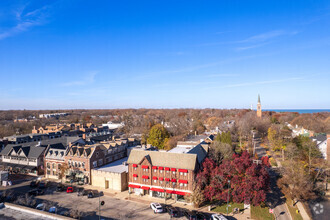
(90, 195)
(82, 192)
(173, 212)
(202, 216)
(42, 185)
(60, 188)
(36, 192)
(189, 214)
(33, 184)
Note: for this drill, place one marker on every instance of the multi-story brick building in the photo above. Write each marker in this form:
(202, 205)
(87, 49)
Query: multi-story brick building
(81, 159)
(160, 174)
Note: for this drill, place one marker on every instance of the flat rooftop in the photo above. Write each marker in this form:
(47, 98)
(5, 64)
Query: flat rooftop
(115, 167)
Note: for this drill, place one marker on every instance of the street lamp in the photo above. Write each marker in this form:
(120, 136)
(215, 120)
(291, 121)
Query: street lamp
(228, 196)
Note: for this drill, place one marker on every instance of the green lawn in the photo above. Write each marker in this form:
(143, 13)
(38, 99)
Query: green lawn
(223, 208)
(293, 210)
(261, 213)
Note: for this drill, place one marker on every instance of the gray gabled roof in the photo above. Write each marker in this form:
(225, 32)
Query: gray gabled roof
(320, 138)
(164, 159)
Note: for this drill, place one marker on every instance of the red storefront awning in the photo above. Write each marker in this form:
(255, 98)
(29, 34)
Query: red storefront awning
(173, 169)
(171, 191)
(134, 165)
(160, 168)
(145, 187)
(157, 190)
(173, 180)
(145, 177)
(154, 178)
(161, 178)
(145, 166)
(167, 168)
(167, 179)
(134, 186)
(183, 181)
(183, 170)
(135, 175)
(154, 167)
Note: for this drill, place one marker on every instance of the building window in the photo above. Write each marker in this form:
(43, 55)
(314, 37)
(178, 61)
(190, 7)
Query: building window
(174, 184)
(53, 165)
(181, 173)
(135, 178)
(181, 184)
(185, 174)
(185, 185)
(167, 171)
(155, 181)
(173, 172)
(161, 171)
(161, 182)
(155, 170)
(83, 164)
(100, 162)
(135, 168)
(95, 164)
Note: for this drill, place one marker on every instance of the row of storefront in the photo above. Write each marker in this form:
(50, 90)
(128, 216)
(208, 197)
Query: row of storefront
(158, 192)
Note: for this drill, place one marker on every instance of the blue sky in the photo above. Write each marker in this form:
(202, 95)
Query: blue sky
(164, 54)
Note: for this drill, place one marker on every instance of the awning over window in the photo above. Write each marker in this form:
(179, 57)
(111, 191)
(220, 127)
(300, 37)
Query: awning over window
(160, 168)
(135, 175)
(183, 181)
(154, 178)
(134, 186)
(173, 180)
(170, 191)
(154, 167)
(183, 170)
(167, 168)
(145, 187)
(167, 179)
(157, 190)
(145, 177)
(145, 166)
(161, 178)
(135, 165)
(173, 169)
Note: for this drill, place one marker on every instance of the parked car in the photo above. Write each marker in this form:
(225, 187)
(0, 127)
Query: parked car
(69, 189)
(40, 206)
(156, 207)
(60, 188)
(33, 184)
(90, 195)
(189, 214)
(36, 192)
(52, 209)
(81, 192)
(202, 216)
(173, 212)
(42, 185)
(218, 217)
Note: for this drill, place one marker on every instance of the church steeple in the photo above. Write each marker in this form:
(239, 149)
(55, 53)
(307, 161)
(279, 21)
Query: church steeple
(259, 113)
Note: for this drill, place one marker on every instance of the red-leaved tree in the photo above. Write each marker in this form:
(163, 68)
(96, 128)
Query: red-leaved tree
(246, 182)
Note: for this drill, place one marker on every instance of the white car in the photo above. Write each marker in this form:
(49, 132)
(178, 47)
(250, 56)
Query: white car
(218, 217)
(156, 207)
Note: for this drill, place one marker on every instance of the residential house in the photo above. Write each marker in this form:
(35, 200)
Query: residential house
(321, 141)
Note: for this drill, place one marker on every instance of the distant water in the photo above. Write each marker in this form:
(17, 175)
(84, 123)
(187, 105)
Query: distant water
(300, 111)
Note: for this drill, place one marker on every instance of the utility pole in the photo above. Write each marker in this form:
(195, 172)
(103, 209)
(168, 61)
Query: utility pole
(254, 145)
